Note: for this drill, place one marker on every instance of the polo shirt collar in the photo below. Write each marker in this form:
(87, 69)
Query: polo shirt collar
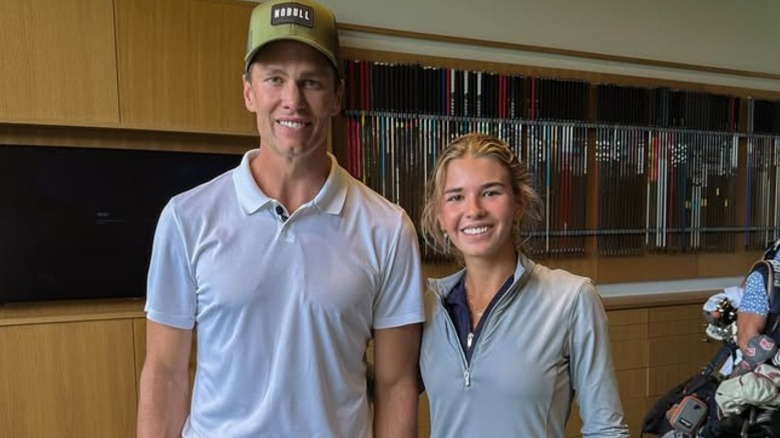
(330, 198)
(444, 286)
(333, 193)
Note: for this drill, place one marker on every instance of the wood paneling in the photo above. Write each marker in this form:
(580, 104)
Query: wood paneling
(86, 357)
(635, 410)
(71, 379)
(726, 264)
(139, 346)
(125, 139)
(621, 318)
(180, 64)
(59, 63)
(529, 70)
(423, 417)
(574, 424)
(66, 311)
(649, 267)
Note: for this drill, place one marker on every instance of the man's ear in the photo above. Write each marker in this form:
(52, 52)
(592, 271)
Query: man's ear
(249, 97)
(338, 104)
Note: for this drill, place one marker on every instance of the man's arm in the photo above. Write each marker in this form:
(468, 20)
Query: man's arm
(749, 325)
(164, 389)
(753, 309)
(396, 351)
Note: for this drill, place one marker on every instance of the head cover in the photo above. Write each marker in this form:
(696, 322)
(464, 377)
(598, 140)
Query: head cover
(771, 250)
(298, 20)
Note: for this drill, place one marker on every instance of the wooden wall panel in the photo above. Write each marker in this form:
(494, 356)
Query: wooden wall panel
(180, 64)
(530, 70)
(633, 383)
(423, 417)
(59, 63)
(628, 336)
(620, 319)
(574, 424)
(139, 346)
(86, 358)
(64, 136)
(678, 346)
(635, 409)
(630, 354)
(71, 379)
(651, 267)
(727, 264)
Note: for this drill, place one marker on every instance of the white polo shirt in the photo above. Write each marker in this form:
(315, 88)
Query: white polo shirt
(283, 309)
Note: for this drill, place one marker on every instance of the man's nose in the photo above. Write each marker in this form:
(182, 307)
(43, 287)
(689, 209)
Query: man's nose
(292, 97)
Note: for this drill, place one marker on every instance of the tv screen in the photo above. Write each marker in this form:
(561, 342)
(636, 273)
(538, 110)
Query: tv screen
(78, 223)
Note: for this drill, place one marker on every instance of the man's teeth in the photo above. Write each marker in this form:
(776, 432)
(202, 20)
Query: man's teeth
(478, 230)
(290, 124)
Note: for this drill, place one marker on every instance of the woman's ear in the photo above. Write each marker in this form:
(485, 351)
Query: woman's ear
(519, 210)
(439, 223)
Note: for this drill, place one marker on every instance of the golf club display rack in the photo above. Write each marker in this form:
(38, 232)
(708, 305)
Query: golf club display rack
(622, 169)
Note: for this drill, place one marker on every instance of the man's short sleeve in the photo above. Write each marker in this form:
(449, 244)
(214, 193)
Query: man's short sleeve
(400, 300)
(170, 291)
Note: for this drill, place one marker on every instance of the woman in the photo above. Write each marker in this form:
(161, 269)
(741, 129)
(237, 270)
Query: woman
(508, 343)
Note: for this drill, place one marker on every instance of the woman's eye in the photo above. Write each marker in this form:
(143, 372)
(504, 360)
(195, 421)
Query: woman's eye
(453, 198)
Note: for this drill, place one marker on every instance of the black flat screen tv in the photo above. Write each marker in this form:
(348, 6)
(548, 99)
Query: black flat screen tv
(78, 223)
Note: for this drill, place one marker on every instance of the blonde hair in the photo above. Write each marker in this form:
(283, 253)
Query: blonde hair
(477, 146)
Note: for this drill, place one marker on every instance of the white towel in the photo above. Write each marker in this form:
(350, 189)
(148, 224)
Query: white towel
(748, 389)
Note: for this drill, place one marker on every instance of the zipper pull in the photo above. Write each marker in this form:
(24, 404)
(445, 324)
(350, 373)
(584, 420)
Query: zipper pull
(469, 340)
(467, 377)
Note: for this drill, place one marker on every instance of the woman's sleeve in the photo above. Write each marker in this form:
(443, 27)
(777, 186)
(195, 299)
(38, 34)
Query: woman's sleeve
(592, 370)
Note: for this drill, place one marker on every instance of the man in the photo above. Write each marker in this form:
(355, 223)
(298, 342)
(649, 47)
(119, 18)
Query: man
(754, 308)
(286, 266)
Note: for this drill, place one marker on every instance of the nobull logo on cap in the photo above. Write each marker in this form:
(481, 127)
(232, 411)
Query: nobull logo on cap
(292, 13)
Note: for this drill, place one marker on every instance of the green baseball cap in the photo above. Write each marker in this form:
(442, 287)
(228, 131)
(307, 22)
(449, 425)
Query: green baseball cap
(299, 20)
